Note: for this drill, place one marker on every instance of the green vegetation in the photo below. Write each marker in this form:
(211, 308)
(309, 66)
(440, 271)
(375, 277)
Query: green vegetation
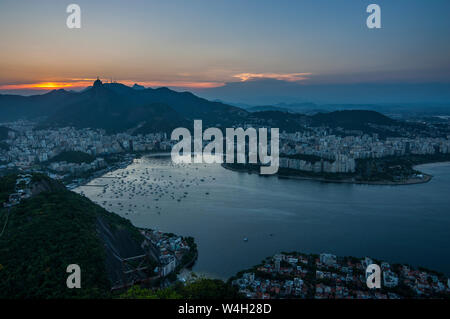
(137, 292)
(199, 289)
(307, 174)
(48, 232)
(7, 186)
(45, 235)
(73, 157)
(287, 172)
(394, 168)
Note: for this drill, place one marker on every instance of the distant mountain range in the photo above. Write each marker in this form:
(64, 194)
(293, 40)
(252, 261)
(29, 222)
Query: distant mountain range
(119, 108)
(394, 110)
(360, 120)
(116, 107)
(272, 91)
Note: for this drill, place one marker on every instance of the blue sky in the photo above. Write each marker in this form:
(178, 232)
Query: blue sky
(200, 43)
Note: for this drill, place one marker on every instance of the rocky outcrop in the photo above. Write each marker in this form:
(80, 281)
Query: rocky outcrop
(39, 185)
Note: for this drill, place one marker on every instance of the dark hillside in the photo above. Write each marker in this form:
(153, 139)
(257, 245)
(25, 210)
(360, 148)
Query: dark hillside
(55, 228)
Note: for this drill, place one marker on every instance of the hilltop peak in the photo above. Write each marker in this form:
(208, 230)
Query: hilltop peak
(98, 83)
(138, 87)
(56, 91)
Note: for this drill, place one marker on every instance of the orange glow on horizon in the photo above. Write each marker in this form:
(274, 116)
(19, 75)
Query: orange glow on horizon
(82, 83)
(46, 85)
(51, 85)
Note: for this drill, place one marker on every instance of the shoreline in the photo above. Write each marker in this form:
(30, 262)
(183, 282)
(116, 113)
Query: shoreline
(433, 163)
(412, 181)
(215, 276)
(426, 178)
(120, 165)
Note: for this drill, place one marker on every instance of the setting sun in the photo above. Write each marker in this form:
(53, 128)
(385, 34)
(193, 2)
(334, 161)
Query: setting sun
(51, 85)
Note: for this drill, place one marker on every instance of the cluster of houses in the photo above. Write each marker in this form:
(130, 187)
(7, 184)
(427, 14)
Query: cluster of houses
(168, 248)
(28, 145)
(75, 168)
(328, 276)
(282, 276)
(21, 191)
(320, 143)
(342, 164)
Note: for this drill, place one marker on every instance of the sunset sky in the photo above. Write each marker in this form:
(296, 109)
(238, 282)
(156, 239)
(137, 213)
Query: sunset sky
(206, 44)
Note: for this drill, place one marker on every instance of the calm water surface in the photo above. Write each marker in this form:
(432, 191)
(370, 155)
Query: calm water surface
(406, 224)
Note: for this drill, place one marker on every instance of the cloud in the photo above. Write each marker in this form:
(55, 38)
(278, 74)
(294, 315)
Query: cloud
(289, 77)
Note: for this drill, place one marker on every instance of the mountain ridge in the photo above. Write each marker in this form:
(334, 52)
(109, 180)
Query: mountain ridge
(116, 108)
